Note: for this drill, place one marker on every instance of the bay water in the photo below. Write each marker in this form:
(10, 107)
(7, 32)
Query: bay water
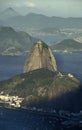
(12, 119)
(66, 62)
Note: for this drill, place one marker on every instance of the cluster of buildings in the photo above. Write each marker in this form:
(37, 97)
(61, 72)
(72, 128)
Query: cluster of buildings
(13, 101)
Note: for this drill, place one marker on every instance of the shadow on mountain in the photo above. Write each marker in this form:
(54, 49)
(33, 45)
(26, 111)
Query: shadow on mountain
(70, 101)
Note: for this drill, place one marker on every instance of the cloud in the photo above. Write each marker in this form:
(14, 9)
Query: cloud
(48, 7)
(17, 3)
(30, 4)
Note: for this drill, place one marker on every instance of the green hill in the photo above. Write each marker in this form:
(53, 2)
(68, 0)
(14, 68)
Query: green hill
(14, 43)
(69, 45)
(42, 86)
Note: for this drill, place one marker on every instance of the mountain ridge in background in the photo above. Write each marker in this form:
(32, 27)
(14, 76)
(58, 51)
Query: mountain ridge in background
(7, 13)
(14, 43)
(29, 21)
(68, 45)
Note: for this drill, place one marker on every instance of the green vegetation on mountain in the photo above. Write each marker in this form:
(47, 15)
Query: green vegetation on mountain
(38, 85)
(41, 83)
(69, 45)
(14, 43)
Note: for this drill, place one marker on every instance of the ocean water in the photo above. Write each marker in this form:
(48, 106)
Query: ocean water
(11, 119)
(11, 66)
(70, 63)
(20, 119)
(66, 62)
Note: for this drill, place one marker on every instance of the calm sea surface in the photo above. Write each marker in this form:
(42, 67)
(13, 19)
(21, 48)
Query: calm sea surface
(70, 63)
(22, 119)
(66, 62)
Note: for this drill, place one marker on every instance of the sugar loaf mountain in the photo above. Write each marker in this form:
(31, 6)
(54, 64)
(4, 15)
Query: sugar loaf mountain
(42, 85)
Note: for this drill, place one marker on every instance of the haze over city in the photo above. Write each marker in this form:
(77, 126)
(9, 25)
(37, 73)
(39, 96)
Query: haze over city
(62, 8)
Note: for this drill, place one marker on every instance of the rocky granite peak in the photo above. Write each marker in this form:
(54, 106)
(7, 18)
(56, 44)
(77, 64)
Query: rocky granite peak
(40, 56)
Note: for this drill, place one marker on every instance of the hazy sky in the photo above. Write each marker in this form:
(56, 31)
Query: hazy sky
(63, 8)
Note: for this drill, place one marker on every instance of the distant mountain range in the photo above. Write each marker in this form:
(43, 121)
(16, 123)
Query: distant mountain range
(38, 24)
(68, 45)
(34, 21)
(17, 43)
(14, 43)
(7, 13)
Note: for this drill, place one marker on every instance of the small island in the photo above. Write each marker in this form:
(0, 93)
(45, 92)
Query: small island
(41, 85)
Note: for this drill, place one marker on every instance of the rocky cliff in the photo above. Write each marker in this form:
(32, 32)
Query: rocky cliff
(40, 57)
(41, 85)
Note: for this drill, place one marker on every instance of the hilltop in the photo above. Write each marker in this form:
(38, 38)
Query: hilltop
(40, 56)
(13, 42)
(68, 45)
(7, 13)
(43, 87)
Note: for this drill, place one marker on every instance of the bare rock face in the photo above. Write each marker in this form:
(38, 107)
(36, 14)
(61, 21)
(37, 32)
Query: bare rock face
(40, 57)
